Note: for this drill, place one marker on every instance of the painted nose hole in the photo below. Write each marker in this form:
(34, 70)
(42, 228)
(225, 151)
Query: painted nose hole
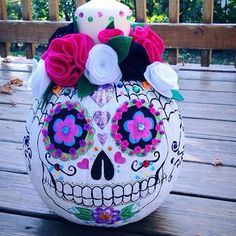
(102, 164)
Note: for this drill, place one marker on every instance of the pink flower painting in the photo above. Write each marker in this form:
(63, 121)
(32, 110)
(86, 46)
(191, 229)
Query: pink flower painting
(139, 128)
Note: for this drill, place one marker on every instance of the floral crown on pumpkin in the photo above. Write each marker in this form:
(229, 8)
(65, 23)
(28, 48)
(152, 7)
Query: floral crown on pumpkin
(73, 59)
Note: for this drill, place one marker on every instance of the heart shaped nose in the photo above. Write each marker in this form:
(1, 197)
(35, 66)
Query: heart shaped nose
(102, 164)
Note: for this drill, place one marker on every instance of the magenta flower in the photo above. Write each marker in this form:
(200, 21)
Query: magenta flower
(66, 130)
(139, 128)
(106, 215)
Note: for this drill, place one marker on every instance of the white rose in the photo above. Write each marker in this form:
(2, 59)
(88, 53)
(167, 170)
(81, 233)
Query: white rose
(102, 65)
(162, 78)
(39, 79)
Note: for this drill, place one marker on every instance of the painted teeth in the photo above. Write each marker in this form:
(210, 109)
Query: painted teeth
(106, 196)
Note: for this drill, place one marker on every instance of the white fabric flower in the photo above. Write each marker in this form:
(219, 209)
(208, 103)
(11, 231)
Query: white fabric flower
(162, 78)
(39, 79)
(102, 65)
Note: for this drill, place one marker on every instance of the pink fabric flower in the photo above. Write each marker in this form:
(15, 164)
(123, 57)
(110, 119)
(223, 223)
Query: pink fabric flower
(66, 130)
(152, 43)
(66, 57)
(139, 128)
(107, 34)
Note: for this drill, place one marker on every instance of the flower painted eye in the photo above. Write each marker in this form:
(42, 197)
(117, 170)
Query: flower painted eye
(137, 128)
(67, 131)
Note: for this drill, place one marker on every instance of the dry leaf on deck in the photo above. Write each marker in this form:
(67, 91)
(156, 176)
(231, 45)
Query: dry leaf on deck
(218, 162)
(16, 81)
(6, 60)
(6, 89)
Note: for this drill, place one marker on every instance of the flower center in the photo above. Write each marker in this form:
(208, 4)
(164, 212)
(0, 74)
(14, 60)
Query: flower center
(141, 127)
(65, 130)
(105, 216)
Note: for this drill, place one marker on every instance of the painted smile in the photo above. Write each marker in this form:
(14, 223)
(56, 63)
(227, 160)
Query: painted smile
(101, 196)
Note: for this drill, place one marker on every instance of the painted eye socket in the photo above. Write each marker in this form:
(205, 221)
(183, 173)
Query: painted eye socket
(67, 132)
(137, 128)
(175, 146)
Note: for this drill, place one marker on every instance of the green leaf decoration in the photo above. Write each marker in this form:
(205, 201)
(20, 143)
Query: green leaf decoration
(135, 24)
(121, 45)
(84, 87)
(76, 27)
(127, 213)
(111, 24)
(37, 57)
(83, 213)
(177, 95)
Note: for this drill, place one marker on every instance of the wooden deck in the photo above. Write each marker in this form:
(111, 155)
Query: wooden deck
(203, 201)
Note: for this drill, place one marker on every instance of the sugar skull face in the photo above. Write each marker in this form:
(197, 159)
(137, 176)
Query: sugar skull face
(107, 159)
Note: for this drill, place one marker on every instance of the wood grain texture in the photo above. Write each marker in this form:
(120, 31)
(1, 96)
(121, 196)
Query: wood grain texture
(27, 15)
(4, 47)
(210, 217)
(141, 10)
(80, 2)
(182, 35)
(173, 54)
(53, 6)
(25, 225)
(207, 17)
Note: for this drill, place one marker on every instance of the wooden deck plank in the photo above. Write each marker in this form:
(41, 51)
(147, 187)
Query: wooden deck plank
(188, 110)
(19, 225)
(196, 150)
(195, 128)
(175, 216)
(194, 179)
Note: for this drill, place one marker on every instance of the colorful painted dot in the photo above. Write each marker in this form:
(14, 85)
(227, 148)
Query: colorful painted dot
(145, 163)
(120, 85)
(90, 19)
(136, 89)
(81, 14)
(152, 168)
(109, 148)
(57, 167)
(137, 177)
(66, 92)
(100, 14)
(121, 13)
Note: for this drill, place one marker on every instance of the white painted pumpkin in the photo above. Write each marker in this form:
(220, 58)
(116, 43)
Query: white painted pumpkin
(107, 159)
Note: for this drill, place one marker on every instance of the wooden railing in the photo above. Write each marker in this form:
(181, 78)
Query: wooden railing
(176, 35)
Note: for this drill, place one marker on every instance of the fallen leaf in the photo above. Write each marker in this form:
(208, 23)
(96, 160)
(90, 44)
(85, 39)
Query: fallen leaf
(218, 162)
(6, 60)
(16, 81)
(6, 89)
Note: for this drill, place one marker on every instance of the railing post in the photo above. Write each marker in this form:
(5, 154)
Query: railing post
(141, 10)
(173, 18)
(80, 2)
(27, 15)
(207, 16)
(53, 6)
(4, 47)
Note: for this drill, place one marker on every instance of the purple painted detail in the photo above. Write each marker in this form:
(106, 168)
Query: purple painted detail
(106, 215)
(102, 138)
(101, 118)
(103, 94)
(81, 14)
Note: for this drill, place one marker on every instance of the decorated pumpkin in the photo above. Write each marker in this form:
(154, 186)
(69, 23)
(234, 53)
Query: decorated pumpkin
(104, 138)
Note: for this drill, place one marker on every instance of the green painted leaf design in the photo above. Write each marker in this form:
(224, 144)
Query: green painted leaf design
(83, 213)
(37, 57)
(177, 95)
(121, 45)
(135, 24)
(84, 87)
(127, 213)
(111, 24)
